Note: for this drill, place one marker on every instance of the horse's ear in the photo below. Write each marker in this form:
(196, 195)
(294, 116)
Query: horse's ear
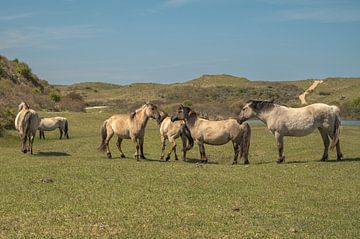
(132, 114)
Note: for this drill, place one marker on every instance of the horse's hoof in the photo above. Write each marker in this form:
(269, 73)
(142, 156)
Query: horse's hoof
(233, 163)
(167, 158)
(176, 158)
(24, 151)
(122, 156)
(323, 159)
(109, 155)
(339, 157)
(142, 157)
(281, 160)
(247, 162)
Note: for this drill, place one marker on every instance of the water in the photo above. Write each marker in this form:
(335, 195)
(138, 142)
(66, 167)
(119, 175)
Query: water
(343, 122)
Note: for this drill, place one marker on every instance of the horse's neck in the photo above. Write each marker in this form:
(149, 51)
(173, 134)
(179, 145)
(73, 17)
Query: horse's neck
(191, 121)
(267, 116)
(141, 119)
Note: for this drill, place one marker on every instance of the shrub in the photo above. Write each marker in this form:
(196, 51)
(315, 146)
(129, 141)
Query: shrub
(7, 118)
(324, 93)
(188, 103)
(24, 70)
(55, 96)
(72, 102)
(356, 102)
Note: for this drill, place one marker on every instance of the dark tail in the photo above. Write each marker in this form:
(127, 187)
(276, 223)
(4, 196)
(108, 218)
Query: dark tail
(187, 133)
(66, 129)
(337, 126)
(26, 123)
(245, 141)
(102, 146)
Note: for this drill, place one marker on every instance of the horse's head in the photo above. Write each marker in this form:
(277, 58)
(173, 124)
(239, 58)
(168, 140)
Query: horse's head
(162, 116)
(182, 113)
(23, 106)
(252, 108)
(152, 111)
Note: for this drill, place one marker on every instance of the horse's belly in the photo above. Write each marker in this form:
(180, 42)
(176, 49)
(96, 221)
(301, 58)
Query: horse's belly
(216, 139)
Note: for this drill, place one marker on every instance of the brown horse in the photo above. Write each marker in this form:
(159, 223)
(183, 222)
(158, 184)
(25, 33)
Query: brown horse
(26, 122)
(171, 131)
(216, 133)
(128, 126)
(286, 121)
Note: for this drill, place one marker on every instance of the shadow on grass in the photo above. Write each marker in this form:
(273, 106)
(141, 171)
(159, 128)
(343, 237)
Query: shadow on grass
(56, 154)
(193, 160)
(357, 159)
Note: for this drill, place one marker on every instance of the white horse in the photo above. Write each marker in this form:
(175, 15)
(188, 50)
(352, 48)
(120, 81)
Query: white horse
(128, 126)
(216, 133)
(26, 122)
(285, 121)
(49, 124)
(171, 131)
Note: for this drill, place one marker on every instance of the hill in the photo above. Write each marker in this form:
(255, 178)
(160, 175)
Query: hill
(220, 95)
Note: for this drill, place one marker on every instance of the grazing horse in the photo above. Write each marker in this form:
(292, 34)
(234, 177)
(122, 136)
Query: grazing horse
(26, 122)
(171, 131)
(285, 121)
(128, 126)
(49, 124)
(216, 133)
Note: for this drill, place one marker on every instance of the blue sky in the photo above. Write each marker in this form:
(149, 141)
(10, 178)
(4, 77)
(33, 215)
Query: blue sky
(124, 41)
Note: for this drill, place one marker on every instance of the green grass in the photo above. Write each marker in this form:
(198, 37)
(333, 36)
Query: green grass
(68, 189)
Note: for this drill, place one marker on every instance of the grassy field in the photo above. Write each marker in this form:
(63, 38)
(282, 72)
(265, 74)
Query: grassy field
(68, 189)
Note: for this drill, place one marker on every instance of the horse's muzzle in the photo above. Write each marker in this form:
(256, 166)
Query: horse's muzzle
(174, 118)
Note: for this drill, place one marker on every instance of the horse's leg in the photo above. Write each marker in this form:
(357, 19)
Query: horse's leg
(31, 142)
(173, 148)
(280, 143)
(326, 141)
(204, 158)
(339, 154)
(39, 134)
(141, 142)
(109, 134)
(184, 149)
(236, 152)
(163, 140)
(118, 144)
(61, 133)
(137, 147)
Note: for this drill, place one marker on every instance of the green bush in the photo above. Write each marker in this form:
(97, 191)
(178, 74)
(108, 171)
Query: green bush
(188, 103)
(24, 70)
(356, 102)
(7, 118)
(55, 96)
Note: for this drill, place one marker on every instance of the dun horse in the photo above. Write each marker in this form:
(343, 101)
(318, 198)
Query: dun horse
(216, 133)
(26, 122)
(128, 126)
(285, 121)
(49, 124)
(171, 131)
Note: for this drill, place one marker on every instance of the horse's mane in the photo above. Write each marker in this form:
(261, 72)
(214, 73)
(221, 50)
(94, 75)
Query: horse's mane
(163, 115)
(261, 104)
(132, 114)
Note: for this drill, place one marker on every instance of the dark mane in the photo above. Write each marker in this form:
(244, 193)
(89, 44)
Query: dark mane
(261, 104)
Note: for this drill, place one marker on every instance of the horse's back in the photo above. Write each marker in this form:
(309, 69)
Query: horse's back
(170, 128)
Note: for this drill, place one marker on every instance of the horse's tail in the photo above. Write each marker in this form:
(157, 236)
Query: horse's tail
(66, 129)
(26, 123)
(102, 146)
(336, 127)
(245, 140)
(187, 133)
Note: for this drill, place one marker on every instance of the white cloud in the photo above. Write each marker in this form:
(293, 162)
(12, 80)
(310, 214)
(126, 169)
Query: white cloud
(43, 37)
(326, 15)
(14, 16)
(176, 3)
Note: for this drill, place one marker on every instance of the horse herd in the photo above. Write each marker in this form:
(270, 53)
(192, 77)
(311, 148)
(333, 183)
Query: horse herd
(185, 123)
